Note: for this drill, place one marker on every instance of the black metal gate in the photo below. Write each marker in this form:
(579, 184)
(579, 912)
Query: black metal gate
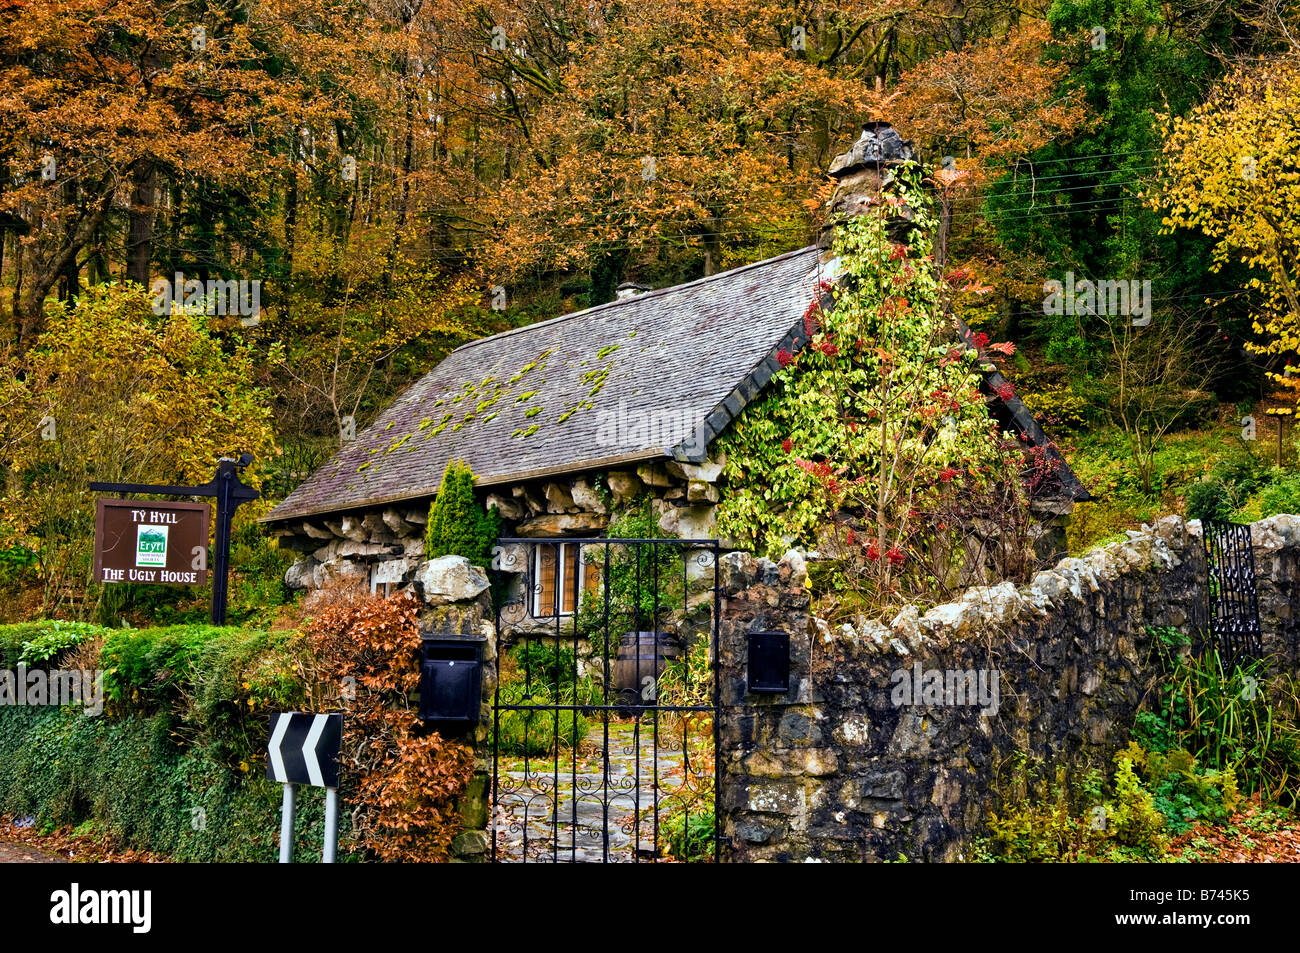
(604, 735)
(1233, 624)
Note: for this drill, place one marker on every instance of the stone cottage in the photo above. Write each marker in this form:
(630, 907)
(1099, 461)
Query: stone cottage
(566, 419)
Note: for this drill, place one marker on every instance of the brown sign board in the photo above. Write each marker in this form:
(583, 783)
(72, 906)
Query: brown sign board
(149, 541)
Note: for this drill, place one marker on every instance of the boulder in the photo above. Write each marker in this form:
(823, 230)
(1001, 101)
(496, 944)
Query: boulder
(532, 502)
(316, 533)
(625, 486)
(688, 522)
(586, 498)
(375, 530)
(708, 471)
(327, 552)
(395, 522)
(508, 508)
(558, 498)
(362, 549)
(654, 474)
(560, 523)
(698, 491)
(300, 574)
(450, 579)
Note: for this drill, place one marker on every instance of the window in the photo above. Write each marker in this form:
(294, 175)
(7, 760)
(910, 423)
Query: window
(387, 576)
(558, 586)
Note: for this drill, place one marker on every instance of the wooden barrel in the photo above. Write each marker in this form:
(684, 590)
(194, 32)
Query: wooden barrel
(642, 656)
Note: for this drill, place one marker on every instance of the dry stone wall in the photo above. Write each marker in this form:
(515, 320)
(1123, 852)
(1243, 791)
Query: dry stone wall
(683, 497)
(889, 742)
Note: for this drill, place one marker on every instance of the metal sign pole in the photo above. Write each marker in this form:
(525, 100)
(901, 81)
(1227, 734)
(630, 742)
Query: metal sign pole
(224, 515)
(286, 825)
(304, 749)
(230, 493)
(331, 825)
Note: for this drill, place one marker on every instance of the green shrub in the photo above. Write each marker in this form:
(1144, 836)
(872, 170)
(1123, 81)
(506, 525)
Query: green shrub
(58, 637)
(540, 733)
(1226, 488)
(1210, 499)
(151, 664)
(18, 565)
(1281, 494)
(1039, 824)
(1132, 818)
(129, 779)
(546, 664)
(1185, 793)
(457, 524)
(689, 837)
(687, 680)
(538, 672)
(1227, 719)
(172, 766)
(14, 638)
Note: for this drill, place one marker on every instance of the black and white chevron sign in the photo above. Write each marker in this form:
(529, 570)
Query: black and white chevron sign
(304, 749)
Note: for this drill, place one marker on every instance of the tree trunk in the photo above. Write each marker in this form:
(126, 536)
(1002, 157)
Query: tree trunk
(44, 273)
(140, 221)
(403, 202)
(290, 231)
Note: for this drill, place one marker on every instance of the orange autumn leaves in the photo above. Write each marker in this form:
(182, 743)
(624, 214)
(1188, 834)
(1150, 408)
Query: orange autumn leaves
(409, 779)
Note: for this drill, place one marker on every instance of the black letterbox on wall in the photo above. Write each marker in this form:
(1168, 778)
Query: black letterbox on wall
(769, 662)
(451, 680)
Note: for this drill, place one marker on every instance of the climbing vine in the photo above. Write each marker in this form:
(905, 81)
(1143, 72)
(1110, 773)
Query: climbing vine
(876, 413)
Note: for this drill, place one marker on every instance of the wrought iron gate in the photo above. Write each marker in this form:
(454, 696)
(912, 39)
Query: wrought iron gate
(1233, 603)
(604, 736)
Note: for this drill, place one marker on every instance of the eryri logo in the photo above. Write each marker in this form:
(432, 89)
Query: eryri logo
(151, 546)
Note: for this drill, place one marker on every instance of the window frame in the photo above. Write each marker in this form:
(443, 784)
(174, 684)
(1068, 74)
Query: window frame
(561, 577)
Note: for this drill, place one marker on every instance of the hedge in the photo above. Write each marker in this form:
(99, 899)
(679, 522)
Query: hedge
(175, 763)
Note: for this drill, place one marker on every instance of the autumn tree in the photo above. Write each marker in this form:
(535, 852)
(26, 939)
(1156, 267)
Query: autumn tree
(113, 392)
(1230, 174)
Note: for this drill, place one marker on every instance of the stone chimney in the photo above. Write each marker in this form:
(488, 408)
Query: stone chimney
(861, 173)
(630, 289)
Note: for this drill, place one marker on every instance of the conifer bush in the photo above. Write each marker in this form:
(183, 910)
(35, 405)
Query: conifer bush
(458, 526)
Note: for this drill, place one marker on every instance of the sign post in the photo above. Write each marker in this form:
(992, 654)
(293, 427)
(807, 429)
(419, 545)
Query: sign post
(304, 749)
(230, 493)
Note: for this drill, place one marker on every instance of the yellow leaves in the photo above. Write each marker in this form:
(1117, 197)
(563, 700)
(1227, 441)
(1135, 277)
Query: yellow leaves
(1231, 174)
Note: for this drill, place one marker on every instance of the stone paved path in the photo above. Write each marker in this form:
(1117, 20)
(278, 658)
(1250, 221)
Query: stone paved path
(11, 853)
(567, 819)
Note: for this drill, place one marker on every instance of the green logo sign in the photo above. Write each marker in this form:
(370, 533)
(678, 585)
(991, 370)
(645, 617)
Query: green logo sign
(151, 546)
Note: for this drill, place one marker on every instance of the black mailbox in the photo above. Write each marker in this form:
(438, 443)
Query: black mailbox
(451, 680)
(769, 662)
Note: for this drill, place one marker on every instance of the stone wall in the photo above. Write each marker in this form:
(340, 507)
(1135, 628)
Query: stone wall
(844, 768)
(683, 496)
(462, 611)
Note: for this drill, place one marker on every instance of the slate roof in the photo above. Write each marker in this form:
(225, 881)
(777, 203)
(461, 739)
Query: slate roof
(653, 376)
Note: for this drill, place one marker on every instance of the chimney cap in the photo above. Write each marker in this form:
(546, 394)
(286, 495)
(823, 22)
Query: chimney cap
(879, 145)
(630, 289)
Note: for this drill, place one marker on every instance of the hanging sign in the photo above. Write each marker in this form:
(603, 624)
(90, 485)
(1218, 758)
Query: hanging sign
(150, 541)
